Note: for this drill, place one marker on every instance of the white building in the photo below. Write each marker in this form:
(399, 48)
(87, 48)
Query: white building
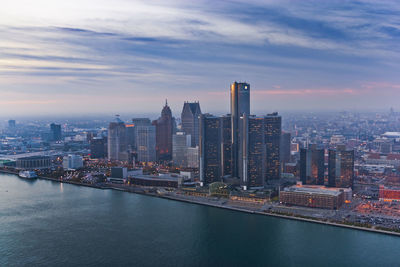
(72, 162)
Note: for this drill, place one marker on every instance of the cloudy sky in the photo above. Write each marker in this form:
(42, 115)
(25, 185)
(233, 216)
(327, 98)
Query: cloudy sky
(127, 56)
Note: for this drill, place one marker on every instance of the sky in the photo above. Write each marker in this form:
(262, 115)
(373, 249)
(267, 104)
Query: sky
(81, 57)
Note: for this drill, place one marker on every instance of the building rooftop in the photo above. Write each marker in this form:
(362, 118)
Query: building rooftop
(319, 190)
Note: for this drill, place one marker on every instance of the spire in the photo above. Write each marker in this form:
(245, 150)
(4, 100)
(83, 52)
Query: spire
(166, 102)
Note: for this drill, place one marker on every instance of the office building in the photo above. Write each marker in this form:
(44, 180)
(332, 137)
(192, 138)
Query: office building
(341, 167)
(285, 148)
(226, 145)
(272, 132)
(145, 142)
(181, 143)
(130, 136)
(240, 105)
(210, 149)
(98, 147)
(164, 131)
(72, 162)
(312, 196)
(252, 153)
(312, 165)
(190, 121)
(55, 132)
(193, 157)
(117, 145)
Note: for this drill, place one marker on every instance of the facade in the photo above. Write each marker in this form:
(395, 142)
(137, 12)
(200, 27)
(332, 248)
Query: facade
(341, 167)
(146, 143)
(285, 148)
(33, 163)
(116, 144)
(389, 194)
(98, 147)
(253, 153)
(210, 149)
(180, 144)
(164, 131)
(72, 162)
(190, 121)
(312, 196)
(272, 131)
(193, 157)
(226, 145)
(55, 132)
(312, 165)
(240, 105)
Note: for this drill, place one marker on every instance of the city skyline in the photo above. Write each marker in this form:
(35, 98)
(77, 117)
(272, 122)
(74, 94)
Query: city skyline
(130, 56)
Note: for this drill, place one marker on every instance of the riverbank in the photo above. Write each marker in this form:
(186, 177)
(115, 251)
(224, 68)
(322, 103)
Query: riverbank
(206, 202)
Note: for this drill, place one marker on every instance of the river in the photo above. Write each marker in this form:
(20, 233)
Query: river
(45, 223)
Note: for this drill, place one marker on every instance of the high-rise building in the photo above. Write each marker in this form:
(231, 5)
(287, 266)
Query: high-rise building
(285, 148)
(180, 144)
(312, 165)
(272, 131)
(341, 167)
(252, 153)
(130, 135)
(164, 131)
(98, 147)
(210, 149)
(55, 132)
(240, 105)
(190, 121)
(138, 122)
(145, 142)
(226, 145)
(117, 145)
(193, 157)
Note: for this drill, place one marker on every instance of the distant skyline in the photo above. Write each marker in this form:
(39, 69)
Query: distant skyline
(109, 57)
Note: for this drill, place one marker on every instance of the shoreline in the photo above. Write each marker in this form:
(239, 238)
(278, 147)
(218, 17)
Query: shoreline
(237, 209)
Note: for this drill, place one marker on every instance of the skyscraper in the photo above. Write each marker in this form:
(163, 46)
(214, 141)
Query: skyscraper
(253, 152)
(312, 165)
(190, 121)
(210, 149)
(240, 104)
(98, 147)
(272, 131)
(145, 140)
(341, 167)
(164, 130)
(226, 145)
(116, 145)
(285, 148)
(180, 144)
(55, 132)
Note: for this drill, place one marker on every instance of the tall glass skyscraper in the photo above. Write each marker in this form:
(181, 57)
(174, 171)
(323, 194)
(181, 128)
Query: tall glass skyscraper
(210, 149)
(117, 144)
(312, 165)
(240, 105)
(341, 167)
(190, 121)
(272, 132)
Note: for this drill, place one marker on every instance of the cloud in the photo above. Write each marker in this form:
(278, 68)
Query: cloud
(196, 48)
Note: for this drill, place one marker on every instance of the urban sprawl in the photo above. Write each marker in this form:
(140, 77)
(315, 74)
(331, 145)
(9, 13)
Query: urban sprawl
(332, 167)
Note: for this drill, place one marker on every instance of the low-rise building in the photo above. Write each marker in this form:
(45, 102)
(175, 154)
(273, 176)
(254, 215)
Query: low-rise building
(312, 196)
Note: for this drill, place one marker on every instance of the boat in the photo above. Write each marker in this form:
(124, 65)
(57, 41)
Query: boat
(27, 174)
